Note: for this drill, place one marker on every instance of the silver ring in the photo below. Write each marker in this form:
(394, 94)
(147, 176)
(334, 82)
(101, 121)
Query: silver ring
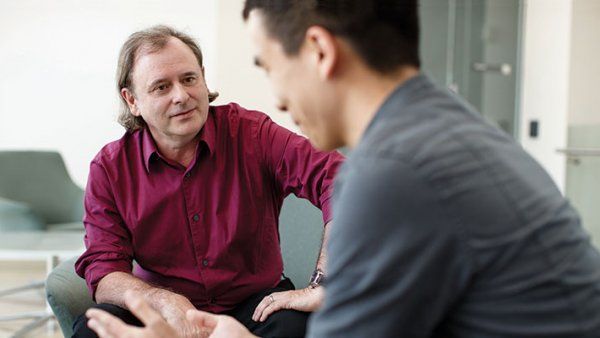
(272, 299)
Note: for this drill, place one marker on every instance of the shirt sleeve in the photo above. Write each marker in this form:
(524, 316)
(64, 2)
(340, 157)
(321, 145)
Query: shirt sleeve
(397, 262)
(298, 167)
(107, 241)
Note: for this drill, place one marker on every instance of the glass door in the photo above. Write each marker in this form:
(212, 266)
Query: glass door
(583, 151)
(472, 47)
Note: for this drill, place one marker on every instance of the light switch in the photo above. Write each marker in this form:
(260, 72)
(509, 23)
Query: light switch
(534, 128)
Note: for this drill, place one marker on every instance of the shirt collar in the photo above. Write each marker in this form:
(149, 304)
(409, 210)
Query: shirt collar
(149, 150)
(399, 98)
(207, 136)
(208, 133)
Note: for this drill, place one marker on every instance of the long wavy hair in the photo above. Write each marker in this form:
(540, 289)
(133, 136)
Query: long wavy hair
(152, 40)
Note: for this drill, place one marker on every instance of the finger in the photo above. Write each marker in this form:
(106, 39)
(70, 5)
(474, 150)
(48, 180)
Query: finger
(202, 319)
(262, 306)
(275, 306)
(105, 319)
(141, 309)
(110, 325)
(100, 329)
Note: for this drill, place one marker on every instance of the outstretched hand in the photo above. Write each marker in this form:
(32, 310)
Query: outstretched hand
(203, 324)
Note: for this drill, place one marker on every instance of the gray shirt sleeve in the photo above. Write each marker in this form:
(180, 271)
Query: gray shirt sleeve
(397, 259)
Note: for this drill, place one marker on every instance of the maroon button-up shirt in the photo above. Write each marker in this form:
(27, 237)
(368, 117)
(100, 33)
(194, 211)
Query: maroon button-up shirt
(209, 231)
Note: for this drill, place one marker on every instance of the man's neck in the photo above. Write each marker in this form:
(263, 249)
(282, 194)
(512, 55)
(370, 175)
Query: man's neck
(180, 150)
(366, 92)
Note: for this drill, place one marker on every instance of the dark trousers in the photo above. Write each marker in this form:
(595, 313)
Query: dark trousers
(283, 323)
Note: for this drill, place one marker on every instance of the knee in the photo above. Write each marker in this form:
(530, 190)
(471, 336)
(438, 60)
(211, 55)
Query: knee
(286, 323)
(81, 330)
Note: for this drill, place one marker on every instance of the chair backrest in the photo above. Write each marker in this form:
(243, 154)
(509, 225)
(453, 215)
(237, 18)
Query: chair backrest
(301, 231)
(40, 180)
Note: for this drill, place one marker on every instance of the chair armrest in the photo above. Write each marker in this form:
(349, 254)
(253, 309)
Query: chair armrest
(17, 216)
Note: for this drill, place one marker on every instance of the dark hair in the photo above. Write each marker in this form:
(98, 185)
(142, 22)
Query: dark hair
(384, 33)
(148, 40)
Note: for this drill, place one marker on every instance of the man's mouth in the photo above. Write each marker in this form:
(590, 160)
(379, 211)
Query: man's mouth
(183, 113)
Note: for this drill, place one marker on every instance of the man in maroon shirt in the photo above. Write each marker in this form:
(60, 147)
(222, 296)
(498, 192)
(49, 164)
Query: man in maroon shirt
(192, 193)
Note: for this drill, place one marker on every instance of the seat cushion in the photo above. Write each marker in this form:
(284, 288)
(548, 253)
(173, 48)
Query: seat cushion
(72, 226)
(17, 216)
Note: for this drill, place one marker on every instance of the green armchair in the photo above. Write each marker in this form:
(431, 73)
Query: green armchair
(36, 193)
(37, 196)
(301, 228)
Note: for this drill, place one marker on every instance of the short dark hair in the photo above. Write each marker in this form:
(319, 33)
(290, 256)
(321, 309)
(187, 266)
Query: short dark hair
(384, 33)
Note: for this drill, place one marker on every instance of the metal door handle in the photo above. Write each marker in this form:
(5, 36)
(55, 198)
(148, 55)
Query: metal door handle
(502, 68)
(580, 152)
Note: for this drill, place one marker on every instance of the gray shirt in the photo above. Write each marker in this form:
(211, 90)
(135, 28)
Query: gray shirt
(445, 227)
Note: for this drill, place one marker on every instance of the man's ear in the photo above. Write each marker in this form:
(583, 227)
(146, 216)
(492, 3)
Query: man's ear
(326, 49)
(128, 96)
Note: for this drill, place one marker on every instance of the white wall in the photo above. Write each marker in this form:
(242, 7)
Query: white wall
(545, 75)
(584, 96)
(57, 68)
(58, 59)
(583, 185)
(545, 86)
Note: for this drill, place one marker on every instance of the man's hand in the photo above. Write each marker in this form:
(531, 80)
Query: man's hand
(219, 326)
(170, 305)
(307, 300)
(109, 326)
(173, 308)
(204, 324)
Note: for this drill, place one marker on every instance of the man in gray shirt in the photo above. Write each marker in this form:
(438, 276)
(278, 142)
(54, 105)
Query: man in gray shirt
(445, 227)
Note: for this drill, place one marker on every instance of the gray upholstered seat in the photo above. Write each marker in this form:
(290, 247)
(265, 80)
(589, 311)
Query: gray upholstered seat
(301, 227)
(37, 196)
(36, 193)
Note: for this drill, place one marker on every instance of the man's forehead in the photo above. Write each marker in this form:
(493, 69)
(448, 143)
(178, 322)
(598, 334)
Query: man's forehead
(264, 45)
(172, 45)
(257, 39)
(257, 29)
(171, 56)
(156, 65)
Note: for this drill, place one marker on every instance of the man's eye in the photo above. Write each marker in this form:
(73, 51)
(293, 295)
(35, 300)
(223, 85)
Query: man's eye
(161, 88)
(190, 80)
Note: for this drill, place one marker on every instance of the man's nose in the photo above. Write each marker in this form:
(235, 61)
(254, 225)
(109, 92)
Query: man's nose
(180, 95)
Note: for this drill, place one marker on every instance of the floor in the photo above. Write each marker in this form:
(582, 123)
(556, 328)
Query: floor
(14, 274)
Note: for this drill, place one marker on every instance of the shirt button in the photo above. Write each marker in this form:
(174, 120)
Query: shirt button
(187, 175)
(196, 218)
(205, 262)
